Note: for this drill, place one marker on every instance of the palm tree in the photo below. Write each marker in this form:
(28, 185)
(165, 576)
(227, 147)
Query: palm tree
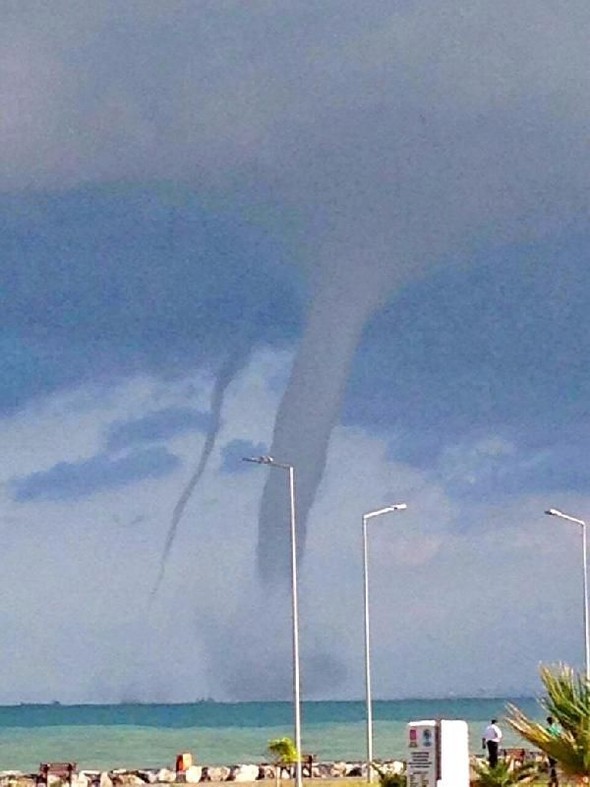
(387, 779)
(567, 700)
(504, 774)
(284, 753)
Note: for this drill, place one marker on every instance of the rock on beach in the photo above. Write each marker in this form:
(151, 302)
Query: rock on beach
(195, 774)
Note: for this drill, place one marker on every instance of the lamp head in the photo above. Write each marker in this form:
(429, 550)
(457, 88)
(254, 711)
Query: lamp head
(561, 515)
(385, 510)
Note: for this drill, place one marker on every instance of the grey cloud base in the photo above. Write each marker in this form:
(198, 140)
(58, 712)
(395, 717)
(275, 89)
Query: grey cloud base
(78, 480)
(180, 183)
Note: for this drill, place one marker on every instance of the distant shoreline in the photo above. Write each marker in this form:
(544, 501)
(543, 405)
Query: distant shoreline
(146, 703)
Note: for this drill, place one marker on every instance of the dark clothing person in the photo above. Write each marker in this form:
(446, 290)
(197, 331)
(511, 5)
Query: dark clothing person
(553, 780)
(491, 740)
(492, 753)
(553, 728)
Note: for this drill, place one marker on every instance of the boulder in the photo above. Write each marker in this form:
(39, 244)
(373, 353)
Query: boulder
(9, 777)
(324, 770)
(218, 773)
(398, 767)
(127, 779)
(193, 774)
(166, 776)
(105, 780)
(245, 773)
(338, 770)
(15, 779)
(354, 769)
(149, 777)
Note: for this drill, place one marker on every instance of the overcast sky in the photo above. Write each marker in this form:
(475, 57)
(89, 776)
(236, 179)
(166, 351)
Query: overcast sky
(355, 235)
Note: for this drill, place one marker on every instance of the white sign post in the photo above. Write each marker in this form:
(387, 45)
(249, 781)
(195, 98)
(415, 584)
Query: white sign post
(438, 753)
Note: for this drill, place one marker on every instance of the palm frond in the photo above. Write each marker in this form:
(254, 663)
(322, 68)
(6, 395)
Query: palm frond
(567, 700)
(283, 750)
(568, 696)
(505, 774)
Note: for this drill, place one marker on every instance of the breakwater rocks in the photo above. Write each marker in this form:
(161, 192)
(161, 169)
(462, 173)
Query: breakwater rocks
(195, 774)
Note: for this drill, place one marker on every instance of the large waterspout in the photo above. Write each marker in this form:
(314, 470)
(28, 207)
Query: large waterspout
(344, 298)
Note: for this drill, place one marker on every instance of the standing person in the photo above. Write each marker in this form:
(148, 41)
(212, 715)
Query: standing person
(491, 740)
(552, 729)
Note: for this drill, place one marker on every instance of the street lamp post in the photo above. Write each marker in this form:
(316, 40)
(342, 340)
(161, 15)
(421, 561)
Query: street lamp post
(268, 460)
(366, 518)
(582, 523)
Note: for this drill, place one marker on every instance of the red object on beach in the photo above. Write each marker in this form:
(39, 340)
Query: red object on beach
(183, 761)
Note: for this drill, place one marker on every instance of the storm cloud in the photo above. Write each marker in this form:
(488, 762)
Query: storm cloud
(159, 425)
(398, 197)
(75, 480)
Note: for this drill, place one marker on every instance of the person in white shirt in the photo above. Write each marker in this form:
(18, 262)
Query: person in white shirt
(491, 740)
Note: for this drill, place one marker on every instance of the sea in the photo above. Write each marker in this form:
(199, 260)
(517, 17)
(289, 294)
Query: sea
(150, 736)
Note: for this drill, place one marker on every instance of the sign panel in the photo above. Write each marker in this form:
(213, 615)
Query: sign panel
(422, 752)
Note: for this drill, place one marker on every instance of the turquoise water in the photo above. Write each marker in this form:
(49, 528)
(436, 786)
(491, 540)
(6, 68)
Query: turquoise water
(147, 736)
